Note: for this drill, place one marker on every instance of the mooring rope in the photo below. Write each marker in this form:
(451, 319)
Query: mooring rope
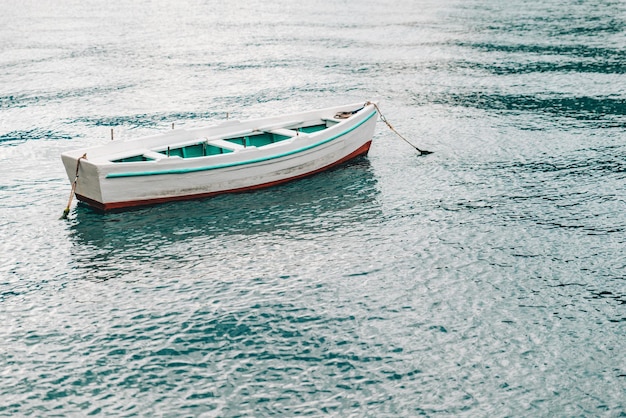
(69, 203)
(384, 119)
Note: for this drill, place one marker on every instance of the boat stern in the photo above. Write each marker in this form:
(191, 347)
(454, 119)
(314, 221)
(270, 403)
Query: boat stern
(88, 182)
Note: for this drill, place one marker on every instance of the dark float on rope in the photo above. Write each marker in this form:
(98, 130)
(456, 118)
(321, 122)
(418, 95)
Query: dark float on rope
(384, 119)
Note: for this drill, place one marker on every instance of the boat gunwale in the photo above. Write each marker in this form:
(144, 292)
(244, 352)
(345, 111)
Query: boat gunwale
(186, 170)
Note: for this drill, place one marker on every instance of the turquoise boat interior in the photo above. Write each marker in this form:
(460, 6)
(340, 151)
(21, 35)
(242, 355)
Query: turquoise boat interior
(204, 148)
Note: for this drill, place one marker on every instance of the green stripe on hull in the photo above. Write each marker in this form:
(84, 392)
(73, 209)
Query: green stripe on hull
(236, 163)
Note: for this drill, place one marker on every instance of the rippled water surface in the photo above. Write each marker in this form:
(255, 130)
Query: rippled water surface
(485, 279)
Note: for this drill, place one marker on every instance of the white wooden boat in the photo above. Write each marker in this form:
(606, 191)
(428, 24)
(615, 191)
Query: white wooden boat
(231, 156)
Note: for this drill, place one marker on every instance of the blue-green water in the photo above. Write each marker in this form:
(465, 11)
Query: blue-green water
(486, 279)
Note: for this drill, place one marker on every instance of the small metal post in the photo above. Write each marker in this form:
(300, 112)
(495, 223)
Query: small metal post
(111, 134)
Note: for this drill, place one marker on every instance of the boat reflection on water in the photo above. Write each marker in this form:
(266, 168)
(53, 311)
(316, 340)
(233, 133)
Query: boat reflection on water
(108, 245)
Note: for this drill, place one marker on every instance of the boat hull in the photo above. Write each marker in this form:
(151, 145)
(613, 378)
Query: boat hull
(110, 206)
(113, 186)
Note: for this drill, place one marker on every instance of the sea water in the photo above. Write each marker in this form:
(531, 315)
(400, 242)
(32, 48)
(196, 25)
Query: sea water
(485, 279)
